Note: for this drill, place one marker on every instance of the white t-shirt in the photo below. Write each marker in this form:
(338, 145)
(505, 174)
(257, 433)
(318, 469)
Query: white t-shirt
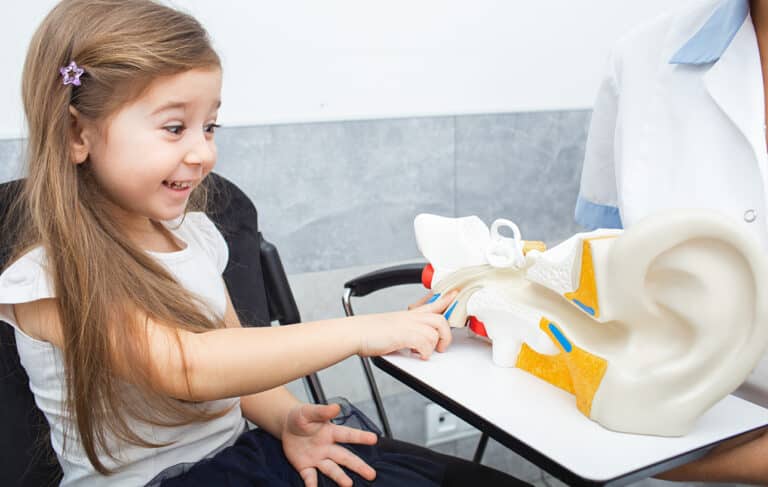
(198, 267)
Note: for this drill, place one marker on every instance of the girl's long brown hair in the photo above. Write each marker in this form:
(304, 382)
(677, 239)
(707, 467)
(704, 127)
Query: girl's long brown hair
(104, 284)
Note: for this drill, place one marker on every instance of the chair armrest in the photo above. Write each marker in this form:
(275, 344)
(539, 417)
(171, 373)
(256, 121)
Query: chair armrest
(384, 278)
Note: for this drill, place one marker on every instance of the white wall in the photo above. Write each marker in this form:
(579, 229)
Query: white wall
(310, 60)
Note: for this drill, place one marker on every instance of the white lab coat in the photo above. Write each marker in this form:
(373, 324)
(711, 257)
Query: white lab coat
(680, 135)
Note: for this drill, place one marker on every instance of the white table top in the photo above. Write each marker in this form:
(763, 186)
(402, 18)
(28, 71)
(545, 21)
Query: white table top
(546, 419)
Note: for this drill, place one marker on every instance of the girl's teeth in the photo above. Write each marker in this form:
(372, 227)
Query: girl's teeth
(177, 185)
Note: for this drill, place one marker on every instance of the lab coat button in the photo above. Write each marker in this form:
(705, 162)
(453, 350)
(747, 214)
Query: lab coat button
(750, 216)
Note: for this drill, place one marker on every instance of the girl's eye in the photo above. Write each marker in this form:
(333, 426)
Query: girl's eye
(178, 129)
(174, 129)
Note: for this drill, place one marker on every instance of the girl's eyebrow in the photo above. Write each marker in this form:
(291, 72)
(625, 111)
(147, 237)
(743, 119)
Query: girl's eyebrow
(179, 104)
(169, 106)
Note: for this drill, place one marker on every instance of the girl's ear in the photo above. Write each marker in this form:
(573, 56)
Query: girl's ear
(79, 146)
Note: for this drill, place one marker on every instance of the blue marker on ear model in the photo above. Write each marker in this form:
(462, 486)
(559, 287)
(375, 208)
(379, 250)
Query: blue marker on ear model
(450, 310)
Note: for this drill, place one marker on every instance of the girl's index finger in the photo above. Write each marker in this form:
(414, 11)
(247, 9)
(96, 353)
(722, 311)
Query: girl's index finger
(442, 303)
(345, 434)
(422, 301)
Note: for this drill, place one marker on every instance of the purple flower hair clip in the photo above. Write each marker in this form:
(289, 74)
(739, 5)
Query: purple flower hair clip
(71, 74)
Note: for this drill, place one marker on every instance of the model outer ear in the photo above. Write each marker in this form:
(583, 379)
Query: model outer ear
(689, 289)
(450, 244)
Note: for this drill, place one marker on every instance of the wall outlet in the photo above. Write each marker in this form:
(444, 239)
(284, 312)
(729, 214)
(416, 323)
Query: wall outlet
(444, 426)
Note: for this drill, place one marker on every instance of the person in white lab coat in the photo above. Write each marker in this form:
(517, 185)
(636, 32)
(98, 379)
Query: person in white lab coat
(679, 122)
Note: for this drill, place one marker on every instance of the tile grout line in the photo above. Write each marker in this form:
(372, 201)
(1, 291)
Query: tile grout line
(455, 169)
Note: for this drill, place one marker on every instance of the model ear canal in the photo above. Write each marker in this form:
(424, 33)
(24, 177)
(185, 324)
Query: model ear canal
(685, 288)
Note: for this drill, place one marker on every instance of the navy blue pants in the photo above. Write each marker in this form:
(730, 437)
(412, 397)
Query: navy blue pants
(257, 459)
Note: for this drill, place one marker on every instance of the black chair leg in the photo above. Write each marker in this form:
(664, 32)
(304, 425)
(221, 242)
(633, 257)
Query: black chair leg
(346, 302)
(376, 396)
(315, 389)
(481, 448)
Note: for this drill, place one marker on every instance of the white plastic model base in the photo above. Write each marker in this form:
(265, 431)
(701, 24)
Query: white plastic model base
(648, 328)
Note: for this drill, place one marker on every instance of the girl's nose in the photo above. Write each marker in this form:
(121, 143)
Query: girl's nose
(193, 157)
(200, 151)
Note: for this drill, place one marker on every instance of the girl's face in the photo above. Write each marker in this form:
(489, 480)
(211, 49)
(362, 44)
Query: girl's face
(152, 152)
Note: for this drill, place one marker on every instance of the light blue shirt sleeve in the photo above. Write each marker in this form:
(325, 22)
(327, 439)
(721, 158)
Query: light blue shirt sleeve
(594, 215)
(597, 205)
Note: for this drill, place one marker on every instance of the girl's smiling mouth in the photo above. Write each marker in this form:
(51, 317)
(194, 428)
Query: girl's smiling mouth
(178, 185)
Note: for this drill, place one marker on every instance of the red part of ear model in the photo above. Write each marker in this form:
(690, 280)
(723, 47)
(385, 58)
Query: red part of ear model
(477, 326)
(426, 276)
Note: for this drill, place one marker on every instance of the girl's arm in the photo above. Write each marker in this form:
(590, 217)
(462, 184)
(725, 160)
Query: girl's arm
(268, 409)
(241, 361)
(235, 362)
(741, 460)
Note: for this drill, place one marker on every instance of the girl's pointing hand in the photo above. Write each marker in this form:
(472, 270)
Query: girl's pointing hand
(423, 329)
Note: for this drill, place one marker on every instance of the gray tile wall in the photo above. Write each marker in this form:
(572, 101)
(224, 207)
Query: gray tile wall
(10, 159)
(524, 167)
(342, 194)
(335, 195)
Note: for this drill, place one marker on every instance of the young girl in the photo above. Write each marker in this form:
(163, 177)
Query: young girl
(123, 323)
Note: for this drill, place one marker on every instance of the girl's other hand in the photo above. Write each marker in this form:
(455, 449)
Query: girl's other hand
(423, 329)
(310, 444)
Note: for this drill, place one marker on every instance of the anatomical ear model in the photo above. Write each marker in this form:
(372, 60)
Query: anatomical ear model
(647, 327)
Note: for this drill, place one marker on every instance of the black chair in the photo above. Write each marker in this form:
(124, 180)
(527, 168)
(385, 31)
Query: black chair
(260, 294)
(376, 281)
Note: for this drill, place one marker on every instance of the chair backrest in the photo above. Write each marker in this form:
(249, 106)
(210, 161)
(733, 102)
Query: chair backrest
(257, 285)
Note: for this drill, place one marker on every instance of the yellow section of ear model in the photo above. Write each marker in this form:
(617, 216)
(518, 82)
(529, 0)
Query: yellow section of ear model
(529, 245)
(551, 368)
(573, 369)
(585, 296)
